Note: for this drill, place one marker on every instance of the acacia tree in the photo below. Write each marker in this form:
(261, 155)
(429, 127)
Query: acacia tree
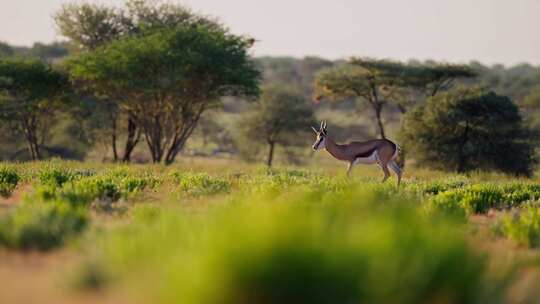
(30, 94)
(280, 115)
(420, 82)
(169, 78)
(90, 26)
(383, 82)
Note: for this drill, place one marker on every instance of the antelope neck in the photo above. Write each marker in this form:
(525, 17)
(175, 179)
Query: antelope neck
(334, 149)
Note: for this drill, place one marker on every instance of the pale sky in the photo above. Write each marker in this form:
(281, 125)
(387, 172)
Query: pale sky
(490, 31)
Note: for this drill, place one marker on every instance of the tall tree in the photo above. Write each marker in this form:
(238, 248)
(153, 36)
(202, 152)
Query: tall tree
(90, 26)
(30, 94)
(371, 81)
(186, 71)
(280, 115)
(383, 82)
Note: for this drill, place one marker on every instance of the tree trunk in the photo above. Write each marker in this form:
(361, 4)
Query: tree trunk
(462, 159)
(179, 142)
(113, 138)
(270, 153)
(183, 133)
(30, 129)
(133, 137)
(378, 110)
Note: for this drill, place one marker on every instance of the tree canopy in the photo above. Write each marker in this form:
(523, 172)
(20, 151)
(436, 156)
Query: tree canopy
(468, 129)
(277, 118)
(30, 93)
(382, 82)
(168, 78)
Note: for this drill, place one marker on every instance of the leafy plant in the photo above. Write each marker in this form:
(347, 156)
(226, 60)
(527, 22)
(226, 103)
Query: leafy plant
(522, 226)
(40, 226)
(197, 184)
(8, 180)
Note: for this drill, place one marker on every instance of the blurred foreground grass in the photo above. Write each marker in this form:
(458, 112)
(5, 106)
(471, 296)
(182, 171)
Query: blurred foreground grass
(252, 235)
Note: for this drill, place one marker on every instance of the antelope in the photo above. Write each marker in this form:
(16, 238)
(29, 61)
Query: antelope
(380, 151)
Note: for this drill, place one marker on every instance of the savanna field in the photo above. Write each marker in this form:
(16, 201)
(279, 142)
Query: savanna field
(219, 231)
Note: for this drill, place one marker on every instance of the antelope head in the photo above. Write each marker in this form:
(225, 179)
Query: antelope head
(320, 142)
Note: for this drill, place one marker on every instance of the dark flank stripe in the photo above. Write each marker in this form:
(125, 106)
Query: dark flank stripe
(366, 153)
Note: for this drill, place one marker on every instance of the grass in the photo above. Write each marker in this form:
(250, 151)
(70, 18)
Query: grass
(221, 234)
(313, 249)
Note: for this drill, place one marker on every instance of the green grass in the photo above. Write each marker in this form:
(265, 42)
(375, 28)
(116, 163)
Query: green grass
(203, 234)
(298, 247)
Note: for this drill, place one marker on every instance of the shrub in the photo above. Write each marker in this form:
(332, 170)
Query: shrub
(438, 186)
(522, 226)
(197, 184)
(40, 226)
(477, 198)
(8, 180)
(481, 198)
(447, 203)
(54, 176)
(107, 187)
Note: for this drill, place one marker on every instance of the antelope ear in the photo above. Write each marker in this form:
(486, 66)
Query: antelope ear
(315, 130)
(324, 126)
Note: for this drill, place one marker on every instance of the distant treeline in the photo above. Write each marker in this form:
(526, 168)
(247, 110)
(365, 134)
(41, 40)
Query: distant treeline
(134, 83)
(73, 138)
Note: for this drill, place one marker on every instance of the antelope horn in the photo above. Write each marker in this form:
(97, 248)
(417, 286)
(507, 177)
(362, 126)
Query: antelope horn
(322, 125)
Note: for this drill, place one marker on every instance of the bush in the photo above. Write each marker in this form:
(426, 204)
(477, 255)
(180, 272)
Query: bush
(40, 226)
(55, 177)
(438, 186)
(197, 184)
(107, 187)
(447, 203)
(523, 226)
(8, 180)
(479, 198)
(469, 129)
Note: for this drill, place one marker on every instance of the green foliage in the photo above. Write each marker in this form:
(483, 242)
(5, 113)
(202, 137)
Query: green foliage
(8, 180)
(5, 50)
(55, 177)
(200, 184)
(277, 119)
(469, 129)
(522, 226)
(479, 198)
(438, 186)
(80, 188)
(204, 59)
(303, 251)
(30, 94)
(379, 82)
(40, 226)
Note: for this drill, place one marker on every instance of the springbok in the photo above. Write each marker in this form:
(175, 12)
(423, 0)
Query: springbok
(380, 151)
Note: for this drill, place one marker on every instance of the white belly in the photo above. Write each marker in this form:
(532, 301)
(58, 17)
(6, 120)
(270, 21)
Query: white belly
(372, 159)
